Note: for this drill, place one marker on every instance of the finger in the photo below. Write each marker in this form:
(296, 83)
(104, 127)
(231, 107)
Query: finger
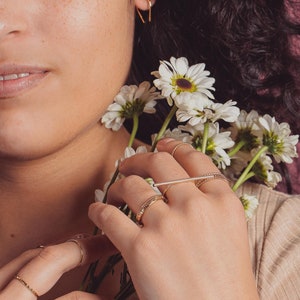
(44, 270)
(196, 164)
(162, 167)
(115, 224)
(8, 271)
(96, 247)
(77, 295)
(136, 192)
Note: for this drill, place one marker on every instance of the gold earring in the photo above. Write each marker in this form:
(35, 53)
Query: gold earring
(149, 13)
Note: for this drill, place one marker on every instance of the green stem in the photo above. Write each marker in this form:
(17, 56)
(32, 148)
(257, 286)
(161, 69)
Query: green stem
(113, 179)
(205, 137)
(134, 129)
(244, 175)
(164, 127)
(250, 174)
(236, 148)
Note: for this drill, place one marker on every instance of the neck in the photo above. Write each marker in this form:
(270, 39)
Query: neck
(53, 193)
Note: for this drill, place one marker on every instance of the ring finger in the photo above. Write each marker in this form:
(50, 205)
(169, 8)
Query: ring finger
(139, 196)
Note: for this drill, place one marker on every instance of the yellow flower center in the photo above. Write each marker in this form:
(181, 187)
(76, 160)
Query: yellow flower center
(182, 84)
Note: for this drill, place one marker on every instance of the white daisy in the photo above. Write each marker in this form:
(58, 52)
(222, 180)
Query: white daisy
(276, 136)
(176, 76)
(196, 108)
(263, 170)
(250, 204)
(237, 164)
(131, 100)
(193, 108)
(178, 135)
(129, 151)
(217, 142)
(243, 130)
(227, 111)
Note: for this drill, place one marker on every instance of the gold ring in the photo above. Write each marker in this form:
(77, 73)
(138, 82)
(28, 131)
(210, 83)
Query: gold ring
(210, 176)
(177, 146)
(147, 204)
(80, 248)
(165, 190)
(21, 280)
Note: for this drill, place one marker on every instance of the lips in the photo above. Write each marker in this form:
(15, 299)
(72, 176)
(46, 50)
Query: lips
(16, 79)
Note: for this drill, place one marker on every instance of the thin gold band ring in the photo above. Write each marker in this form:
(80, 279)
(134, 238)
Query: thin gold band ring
(21, 280)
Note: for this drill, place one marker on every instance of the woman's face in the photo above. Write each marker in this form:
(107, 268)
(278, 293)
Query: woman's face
(70, 57)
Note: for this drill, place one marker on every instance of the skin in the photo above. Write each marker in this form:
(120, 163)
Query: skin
(47, 131)
(54, 154)
(53, 151)
(213, 212)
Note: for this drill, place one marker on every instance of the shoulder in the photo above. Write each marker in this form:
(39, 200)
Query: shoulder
(274, 236)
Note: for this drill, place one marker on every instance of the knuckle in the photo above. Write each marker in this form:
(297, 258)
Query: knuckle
(130, 181)
(51, 254)
(29, 254)
(159, 158)
(105, 214)
(194, 155)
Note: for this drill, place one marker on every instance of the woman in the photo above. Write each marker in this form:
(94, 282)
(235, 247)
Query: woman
(61, 64)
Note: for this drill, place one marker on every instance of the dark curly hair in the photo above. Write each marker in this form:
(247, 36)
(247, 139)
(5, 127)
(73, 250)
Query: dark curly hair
(246, 45)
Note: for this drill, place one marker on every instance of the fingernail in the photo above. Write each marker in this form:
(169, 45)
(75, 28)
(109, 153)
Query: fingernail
(166, 140)
(81, 236)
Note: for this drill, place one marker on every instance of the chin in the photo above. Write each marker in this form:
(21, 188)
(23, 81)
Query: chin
(21, 153)
(22, 148)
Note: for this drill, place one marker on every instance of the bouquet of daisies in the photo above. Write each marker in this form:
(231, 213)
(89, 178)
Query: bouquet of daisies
(243, 149)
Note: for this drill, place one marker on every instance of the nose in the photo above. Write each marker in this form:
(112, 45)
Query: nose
(11, 21)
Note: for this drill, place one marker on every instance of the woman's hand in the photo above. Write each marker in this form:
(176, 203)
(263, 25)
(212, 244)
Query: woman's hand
(193, 247)
(36, 271)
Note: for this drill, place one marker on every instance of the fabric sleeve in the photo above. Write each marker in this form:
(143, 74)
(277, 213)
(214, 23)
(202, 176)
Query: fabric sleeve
(274, 236)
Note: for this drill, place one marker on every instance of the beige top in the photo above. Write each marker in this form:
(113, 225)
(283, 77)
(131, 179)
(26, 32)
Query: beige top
(274, 235)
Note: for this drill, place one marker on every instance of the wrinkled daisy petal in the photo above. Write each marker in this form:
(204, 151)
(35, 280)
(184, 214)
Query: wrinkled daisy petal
(276, 136)
(131, 100)
(250, 204)
(244, 130)
(263, 170)
(99, 195)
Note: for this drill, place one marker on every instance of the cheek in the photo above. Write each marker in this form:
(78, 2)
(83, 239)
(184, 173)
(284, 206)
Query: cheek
(31, 134)
(100, 31)
(95, 47)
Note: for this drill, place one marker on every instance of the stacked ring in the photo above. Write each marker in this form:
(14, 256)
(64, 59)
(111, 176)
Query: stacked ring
(146, 205)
